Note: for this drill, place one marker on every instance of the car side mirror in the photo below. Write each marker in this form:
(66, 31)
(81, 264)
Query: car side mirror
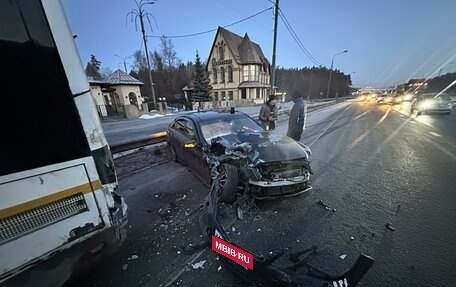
(190, 144)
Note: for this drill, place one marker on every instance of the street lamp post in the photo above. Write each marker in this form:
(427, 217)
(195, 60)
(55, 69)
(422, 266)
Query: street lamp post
(330, 72)
(124, 61)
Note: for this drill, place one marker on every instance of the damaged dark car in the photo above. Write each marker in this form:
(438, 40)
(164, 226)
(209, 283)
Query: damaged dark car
(264, 164)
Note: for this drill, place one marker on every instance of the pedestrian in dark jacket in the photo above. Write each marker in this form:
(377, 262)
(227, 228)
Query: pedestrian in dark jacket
(296, 120)
(269, 113)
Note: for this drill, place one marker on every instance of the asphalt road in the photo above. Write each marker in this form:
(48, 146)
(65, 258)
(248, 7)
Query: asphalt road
(375, 165)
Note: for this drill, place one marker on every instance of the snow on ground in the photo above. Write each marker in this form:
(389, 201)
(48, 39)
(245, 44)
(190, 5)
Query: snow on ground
(148, 117)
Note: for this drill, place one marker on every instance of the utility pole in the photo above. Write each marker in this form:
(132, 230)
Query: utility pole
(274, 45)
(141, 13)
(149, 72)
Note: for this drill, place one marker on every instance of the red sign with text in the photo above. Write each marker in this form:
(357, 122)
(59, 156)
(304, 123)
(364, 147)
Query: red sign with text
(232, 252)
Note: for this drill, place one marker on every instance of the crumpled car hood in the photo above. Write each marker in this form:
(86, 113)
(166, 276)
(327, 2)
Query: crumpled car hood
(266, 146)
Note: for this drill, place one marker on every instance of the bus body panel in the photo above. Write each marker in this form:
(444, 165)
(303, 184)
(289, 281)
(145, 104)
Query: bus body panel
(58, 179)
(44, 213)
(75, 73)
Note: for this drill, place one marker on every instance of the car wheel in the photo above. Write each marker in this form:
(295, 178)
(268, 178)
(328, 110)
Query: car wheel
(172, 153)
(228, 181)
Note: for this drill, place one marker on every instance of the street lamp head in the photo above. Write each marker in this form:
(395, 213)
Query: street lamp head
(345, 51)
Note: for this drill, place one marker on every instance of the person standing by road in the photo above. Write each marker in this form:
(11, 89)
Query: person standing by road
(296, 120)
(269, 113)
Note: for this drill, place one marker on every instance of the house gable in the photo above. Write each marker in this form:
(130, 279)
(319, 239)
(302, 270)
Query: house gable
(237, 69)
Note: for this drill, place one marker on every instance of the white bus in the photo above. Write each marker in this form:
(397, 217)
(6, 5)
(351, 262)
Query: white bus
(58, 208)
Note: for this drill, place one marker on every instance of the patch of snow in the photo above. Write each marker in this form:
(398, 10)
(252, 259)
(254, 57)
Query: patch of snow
(148, 117)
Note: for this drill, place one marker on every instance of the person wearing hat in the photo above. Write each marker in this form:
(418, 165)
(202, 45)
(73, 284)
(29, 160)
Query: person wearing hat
(269, 113)
(296, 119)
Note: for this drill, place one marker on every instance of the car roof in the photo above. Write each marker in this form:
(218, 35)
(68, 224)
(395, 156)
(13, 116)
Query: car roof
(203, 116)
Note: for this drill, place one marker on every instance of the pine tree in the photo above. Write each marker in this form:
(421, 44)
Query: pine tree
(201, 86)
(93, 68)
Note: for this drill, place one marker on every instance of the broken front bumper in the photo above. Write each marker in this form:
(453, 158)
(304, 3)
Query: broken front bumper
(263, 189)
(265, 272)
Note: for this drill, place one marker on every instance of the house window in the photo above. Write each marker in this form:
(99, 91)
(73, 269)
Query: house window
(221, 56)
(245, 72)
(254, 74)
(214, 72)
(251, 73)
(230, 95)
(258, 93)
(222, 75)
(243, 93)
(230, 74)
(222, 96)
(216, 96)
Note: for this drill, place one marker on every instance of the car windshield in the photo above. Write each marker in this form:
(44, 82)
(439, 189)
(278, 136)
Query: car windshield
(220, 127)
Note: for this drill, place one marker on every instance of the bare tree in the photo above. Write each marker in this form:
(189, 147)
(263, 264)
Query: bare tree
(168, 53)
(105, 72)
(140, 62)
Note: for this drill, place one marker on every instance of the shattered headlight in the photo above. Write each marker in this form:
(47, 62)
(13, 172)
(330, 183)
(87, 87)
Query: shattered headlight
(253, 173)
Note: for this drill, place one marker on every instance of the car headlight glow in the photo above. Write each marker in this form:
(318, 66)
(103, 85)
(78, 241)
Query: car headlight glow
(408, 97)
(426, 104)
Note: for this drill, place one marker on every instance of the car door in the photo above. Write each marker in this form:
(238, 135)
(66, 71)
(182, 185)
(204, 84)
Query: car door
(188, 147)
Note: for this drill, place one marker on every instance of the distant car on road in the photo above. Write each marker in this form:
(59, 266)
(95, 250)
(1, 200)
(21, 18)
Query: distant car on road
(265, 163)
(432, 102)
(382, 99)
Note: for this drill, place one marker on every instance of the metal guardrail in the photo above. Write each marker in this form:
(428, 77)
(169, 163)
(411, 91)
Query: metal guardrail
(161, 136)
(138, 142)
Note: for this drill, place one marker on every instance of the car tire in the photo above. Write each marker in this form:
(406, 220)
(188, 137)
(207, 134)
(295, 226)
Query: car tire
(228, 180)
(172, 153)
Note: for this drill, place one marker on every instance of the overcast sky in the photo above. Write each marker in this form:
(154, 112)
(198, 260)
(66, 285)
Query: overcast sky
(388, 41)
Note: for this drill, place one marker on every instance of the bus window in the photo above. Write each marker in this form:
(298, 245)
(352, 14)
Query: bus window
(40, 123)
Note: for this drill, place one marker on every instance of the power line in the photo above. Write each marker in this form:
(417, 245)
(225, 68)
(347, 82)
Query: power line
(212, 30)
(298, 41)
(295, 37)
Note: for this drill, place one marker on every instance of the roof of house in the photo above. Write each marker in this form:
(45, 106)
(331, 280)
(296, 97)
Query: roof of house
(93, 81)
(119, 77)
(244, 50)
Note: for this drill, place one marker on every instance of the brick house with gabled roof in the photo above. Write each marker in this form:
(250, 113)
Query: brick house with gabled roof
(238, 70)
